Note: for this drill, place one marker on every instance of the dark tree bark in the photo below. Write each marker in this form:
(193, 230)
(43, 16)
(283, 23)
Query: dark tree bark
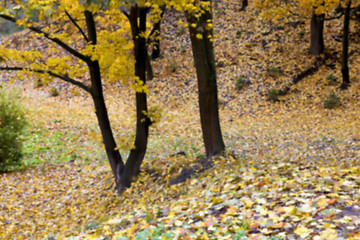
(96, 91)
(137, 18)
(345, 51)
(149, 70)
(245, 3)
(203, 52)
(317, 34)
(156, 37)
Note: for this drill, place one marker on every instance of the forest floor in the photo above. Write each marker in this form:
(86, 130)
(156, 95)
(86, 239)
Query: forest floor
(291, 169)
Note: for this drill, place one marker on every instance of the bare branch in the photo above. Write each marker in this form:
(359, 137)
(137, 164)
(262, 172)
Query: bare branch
(62, 77)
(55, 40)
(76, 25)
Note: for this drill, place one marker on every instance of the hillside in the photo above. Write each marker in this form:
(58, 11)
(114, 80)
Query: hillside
(291, 170)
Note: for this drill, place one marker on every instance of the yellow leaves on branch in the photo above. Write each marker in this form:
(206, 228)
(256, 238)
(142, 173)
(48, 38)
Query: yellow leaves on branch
(139, 86)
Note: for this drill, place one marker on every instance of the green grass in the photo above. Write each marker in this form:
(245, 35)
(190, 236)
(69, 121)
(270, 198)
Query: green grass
(52, 146)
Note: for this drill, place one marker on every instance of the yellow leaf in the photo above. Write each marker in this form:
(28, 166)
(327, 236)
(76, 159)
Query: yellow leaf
(322, 202)
(328, 234)
(232, 211)
(290, 210)
(302, 231)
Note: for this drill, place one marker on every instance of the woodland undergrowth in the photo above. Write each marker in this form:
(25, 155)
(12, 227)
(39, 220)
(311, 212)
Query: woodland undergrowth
(291, 169)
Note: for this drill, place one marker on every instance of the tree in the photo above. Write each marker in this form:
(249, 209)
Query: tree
(201, 35)
(245, 3)
(98, 59)
(317, 46)
(345, 49)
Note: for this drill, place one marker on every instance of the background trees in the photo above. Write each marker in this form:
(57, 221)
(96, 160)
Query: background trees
(319, 11)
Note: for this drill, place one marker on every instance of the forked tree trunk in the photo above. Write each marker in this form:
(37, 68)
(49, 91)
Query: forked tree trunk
(114, 157)
(203, 52)
(345, 51)
(137, 18)
(317, 34)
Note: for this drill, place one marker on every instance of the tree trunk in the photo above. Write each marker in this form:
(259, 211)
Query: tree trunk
(345, 54)
(156, 38)
(203, 52)
(113, 154)
(149, 70)
(245, 3)
(317, 34)
(114, 157)
(137, 19)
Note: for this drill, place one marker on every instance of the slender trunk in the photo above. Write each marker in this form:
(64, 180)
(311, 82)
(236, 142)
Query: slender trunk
(149, 70)
(203, 52)
(113, 154)
(132, 167)
(156, 41)
(345, 53)
(317, 34)
(245, 3)
(114, 157)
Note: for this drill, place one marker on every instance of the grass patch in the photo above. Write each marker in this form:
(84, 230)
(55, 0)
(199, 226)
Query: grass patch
(44, 146)
(273, 95)
(241, 82)
(274, 72)
(331, 80)
(173, 66)
(332, 101)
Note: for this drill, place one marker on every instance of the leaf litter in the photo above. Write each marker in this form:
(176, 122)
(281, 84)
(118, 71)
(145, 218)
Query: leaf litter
(291, 170)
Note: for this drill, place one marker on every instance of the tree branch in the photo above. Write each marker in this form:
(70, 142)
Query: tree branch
(126, 14)
(334, 17)
(76, 25)
(152, 32)
(55, 40)
(62, 77)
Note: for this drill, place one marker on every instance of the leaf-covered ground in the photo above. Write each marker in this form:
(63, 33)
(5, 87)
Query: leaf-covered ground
(291, 170)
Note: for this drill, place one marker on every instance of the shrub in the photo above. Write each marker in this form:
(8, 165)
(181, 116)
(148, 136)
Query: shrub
(54, 91)
(274, 72)
(12, 124)
(39, 83)
(273, 95)
(172, 67)
(332, 101)
(331, 79)
(301, 34)
(240, 82)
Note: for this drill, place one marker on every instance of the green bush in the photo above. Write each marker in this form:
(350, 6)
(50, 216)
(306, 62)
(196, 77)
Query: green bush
(331, 79)
(54, 91)
(12, 124)
(332, 101)
(273, 95)
(274, 72)
(241, 82)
